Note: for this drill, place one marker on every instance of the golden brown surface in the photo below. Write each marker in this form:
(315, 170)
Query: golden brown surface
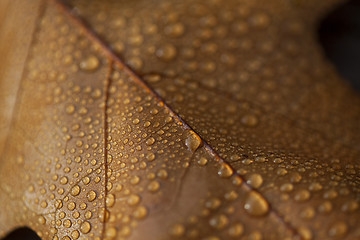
(229, 123)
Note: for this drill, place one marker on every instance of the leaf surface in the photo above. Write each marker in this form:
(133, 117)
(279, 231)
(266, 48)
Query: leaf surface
(181, 120)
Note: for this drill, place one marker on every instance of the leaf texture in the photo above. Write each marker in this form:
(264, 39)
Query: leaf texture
(180, 120)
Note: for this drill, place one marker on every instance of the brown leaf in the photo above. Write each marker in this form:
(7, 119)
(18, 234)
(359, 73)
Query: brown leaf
(175, 120)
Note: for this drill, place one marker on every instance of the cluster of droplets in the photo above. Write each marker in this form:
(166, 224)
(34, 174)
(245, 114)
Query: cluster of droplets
(58, 138)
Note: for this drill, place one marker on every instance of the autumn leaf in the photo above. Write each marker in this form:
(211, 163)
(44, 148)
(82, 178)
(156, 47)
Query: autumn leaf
(174, 120)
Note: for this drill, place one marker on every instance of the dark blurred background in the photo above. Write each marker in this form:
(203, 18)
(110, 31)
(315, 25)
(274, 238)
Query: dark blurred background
(339, 35)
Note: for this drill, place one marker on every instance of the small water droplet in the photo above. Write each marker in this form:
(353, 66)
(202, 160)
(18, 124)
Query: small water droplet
(219, 221)
(213, 203)
(41, 220)
(175, 30)
(225, 171)
(249, 120)
(350, 206)
(202, 161)
(150, 157)
(153, 186)
(110, 200)
(91, 196)
(133, 199)
(90, 64)
(166, 52)
(338, 229)
(75, 190)
(140, 212)
(150, 141)
(177, 230)
(302, 195)
(111, 233)
(236, 230)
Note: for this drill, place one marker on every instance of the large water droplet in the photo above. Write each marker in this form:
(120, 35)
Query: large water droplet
(256, 205)
(193, 141)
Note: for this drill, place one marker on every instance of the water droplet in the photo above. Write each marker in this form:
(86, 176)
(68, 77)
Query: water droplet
(314, 187)
(256, 205)
(307, 213)
(330, 194)
(175, 30)
(150, 157)
(202, 161)
(133, 199)
(249, 120)
(193, 141)
(111, 233)
(177, 230)
(71, 206)
(75, 190)
(110, 200)
(63, 180)
(75, 234)
(236, 230)
(88, 214)
(260, 20)
(166, 52)
(286, 187)
(255, 180)
(41, 220)
(225, 171)
(140, 212)
(85, 227)
(219, 221)
(213, 203)
(67, 223)
(135, 180)
(150, 141)
(302, 195)
(350, 206)
(20, 160)
(231, 196)
(103, 215)
(91, 196)
(338, 229)
(162, 173)
(58, 204)
(91, 63)
(153, 186)
(325, 207)
(305, 233)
